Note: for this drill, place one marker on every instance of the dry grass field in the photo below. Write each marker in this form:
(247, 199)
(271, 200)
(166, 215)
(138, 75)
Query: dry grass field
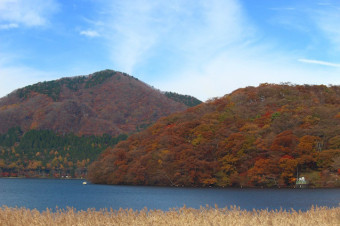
(183, 216)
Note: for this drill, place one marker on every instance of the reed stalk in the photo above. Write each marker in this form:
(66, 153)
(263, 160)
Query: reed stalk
(180, 216)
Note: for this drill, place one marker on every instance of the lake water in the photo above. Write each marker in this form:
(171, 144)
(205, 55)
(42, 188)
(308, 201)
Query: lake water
(51, 193)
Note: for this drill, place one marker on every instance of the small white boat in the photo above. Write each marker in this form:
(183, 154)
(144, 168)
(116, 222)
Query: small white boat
(84, 182)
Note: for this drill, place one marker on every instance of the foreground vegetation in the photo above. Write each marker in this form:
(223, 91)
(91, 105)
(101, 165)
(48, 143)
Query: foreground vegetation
(182, 216)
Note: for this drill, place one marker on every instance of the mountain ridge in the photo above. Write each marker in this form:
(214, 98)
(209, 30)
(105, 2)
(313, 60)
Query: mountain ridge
(103, 102)
(254, 137)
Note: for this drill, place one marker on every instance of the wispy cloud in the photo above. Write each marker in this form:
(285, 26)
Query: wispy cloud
(194, 47)
(8, 26)
(89, 33)
(244, 67)
(28, 13)
(327, 19)
(192, 30)
(132, 29)
(319, 62)
(209, 48)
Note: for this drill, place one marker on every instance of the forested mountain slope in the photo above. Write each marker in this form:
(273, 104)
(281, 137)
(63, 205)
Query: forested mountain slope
(44, 153)
(255, 136)
(57, 128)
(104, 102)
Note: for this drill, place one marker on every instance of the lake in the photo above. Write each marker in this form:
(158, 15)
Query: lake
(51, 193)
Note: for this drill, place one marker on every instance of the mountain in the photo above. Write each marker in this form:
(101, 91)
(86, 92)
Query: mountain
(104, 102)
(253, 137)
(57, 128)
(189, 101)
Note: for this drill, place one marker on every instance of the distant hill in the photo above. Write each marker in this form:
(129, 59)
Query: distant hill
(104, 102)
(255, 136)
(189, 101)
(57, 128)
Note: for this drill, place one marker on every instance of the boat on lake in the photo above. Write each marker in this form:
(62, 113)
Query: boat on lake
(301, 183)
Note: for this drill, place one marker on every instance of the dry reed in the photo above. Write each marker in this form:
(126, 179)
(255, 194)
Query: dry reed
(181, 216)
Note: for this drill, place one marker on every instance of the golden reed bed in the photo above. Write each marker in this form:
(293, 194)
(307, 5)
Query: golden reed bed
(183, 216)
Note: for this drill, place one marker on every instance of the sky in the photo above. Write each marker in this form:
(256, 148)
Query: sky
(201, 48)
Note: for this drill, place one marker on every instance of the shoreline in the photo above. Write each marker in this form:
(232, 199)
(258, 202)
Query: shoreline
(43, 178)
(189, 187)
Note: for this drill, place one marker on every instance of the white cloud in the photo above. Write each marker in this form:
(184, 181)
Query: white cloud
(90, 33)
(319, 62)
(216, 45)
(327, 19)
(8, 26)
(27, 12)
(132, 31)
(191, 29)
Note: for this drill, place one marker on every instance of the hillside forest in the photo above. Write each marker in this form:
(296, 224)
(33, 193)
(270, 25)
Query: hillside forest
(44, 153)
(103, 102)
(57, 128)
(264, 136)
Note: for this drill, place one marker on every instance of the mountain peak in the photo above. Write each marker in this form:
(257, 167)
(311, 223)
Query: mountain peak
(103, 102)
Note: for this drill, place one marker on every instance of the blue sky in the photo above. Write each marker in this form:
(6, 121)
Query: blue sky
(196, 47)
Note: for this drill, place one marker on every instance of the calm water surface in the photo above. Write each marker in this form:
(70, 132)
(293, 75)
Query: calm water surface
(50, 193)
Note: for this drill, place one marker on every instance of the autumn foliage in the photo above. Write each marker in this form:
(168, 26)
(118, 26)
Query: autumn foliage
(56, 128)
(43, 153)
(103, 102)
(255, 136)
